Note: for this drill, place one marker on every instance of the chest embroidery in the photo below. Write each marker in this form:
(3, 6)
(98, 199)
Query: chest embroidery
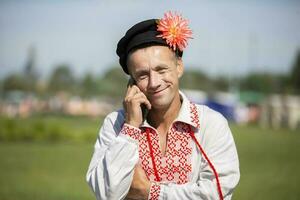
(175, 165)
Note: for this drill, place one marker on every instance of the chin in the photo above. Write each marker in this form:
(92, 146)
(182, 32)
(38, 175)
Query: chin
(161, 103)
(164, 100)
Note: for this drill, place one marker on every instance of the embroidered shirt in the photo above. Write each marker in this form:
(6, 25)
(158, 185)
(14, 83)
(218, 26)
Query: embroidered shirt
(183, 172)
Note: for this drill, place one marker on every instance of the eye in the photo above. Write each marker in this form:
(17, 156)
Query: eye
(142, 77)
(161, 71)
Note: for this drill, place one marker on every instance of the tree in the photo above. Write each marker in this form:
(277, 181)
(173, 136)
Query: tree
(295, 73)
(195, 80)
(30, 74)
(258, 82)
(221, 83)
(27, 80)
(61, 79)
(14, 82)
(113, 83)
(89, 85)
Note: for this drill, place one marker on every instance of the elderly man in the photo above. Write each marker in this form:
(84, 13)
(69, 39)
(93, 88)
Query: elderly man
(161, 145)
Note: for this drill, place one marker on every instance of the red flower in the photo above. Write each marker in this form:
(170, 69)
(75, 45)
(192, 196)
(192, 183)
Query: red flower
(174, 29)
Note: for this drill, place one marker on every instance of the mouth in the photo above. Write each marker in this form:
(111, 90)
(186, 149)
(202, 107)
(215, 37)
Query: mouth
(158, 92)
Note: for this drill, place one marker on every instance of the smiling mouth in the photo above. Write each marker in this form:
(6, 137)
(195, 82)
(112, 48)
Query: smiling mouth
(158, 92)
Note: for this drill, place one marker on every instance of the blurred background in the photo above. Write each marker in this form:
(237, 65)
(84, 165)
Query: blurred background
(59, 76)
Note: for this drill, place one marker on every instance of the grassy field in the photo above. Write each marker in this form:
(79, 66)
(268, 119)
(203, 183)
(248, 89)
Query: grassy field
(269, 162)
(44, 171)
(49, 128)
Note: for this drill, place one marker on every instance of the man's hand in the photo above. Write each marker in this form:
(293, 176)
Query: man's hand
(132, 105)
(140, 185)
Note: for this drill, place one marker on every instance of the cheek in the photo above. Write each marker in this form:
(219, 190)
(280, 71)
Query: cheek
(142, 85)
(170, 78)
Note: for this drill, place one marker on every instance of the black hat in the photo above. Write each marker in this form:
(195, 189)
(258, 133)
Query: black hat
(141, 35)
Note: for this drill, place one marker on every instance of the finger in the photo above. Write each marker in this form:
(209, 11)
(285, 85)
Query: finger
(137, 95)
(132, 91)
(128, 89)
(129, 85)
(146, 101)
(142, 100)
(130, 98)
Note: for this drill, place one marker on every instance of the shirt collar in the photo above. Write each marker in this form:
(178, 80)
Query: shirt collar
(188, 113)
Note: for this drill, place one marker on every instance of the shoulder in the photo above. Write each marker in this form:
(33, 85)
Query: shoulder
(117, 115)
(114, 120)
(213, 125)
(110, 128)
(209, 116)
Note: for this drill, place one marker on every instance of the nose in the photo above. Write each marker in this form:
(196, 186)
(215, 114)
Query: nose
(154, 81)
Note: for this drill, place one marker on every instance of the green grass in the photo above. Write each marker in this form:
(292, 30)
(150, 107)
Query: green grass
(269, 163)
(49, 128)
(45, 171)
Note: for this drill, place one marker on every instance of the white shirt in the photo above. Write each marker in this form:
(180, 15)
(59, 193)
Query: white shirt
(183, 171)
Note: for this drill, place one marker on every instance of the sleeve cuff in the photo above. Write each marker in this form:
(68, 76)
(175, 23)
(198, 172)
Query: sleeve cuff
(131, 131)
(154, 191)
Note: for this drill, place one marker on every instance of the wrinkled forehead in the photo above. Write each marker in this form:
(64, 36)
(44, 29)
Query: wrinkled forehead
(150, 57)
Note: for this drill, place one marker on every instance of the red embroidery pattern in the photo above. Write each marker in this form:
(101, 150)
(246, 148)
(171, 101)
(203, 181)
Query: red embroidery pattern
(131, 131)
(194, 115)
(154, 191)
(144, 155)
(175, 166)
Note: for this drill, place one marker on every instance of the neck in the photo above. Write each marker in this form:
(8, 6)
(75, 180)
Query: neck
(163, 117)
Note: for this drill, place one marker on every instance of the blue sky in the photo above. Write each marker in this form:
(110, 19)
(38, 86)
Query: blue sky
(230, 37)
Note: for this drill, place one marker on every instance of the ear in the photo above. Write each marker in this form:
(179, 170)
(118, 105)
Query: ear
(180, 67)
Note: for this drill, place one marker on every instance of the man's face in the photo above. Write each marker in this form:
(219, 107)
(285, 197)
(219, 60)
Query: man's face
(156, 71)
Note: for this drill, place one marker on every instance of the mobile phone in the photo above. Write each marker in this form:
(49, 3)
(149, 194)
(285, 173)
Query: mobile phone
(143, 106)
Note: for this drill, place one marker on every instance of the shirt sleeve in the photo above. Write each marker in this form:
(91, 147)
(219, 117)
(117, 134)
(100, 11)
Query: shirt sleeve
(115, 155)
(218, 144)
